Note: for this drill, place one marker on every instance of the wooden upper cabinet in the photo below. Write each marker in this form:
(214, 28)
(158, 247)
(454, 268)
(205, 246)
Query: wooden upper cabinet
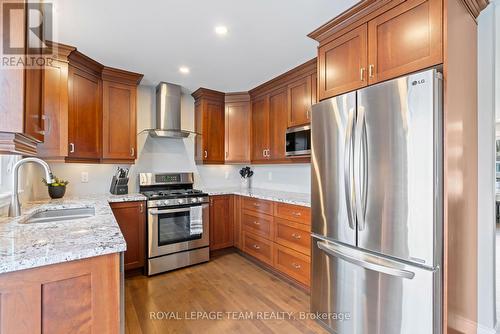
(299, 101)
(55, 99)
(21, 88)
(342, 63)
(260, 128)
(85, 109)
(237, 128)
(221, 223)
(119, 115)
(405, 39)
(278, 115)
(209, 121)
(131, 217)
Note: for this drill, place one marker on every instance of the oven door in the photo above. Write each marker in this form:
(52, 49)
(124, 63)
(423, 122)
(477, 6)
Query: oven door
(177, 229)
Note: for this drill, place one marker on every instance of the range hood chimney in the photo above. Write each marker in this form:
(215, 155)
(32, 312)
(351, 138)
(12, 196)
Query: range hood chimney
(168, 112)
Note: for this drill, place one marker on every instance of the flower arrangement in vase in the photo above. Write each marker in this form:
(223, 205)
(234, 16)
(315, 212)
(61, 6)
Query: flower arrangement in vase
(246, 176)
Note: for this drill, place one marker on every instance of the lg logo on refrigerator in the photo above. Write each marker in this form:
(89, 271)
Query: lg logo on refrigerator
(418, 82)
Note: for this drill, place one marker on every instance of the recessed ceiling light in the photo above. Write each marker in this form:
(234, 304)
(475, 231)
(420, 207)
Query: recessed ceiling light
(221, 30)
(184, 69)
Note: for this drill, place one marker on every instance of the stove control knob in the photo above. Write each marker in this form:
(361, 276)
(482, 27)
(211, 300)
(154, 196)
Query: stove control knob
(180, 201)
(201, 200)
(194, 200)
(166, 202)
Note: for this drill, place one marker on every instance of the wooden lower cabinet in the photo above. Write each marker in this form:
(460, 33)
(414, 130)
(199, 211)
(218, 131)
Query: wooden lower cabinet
(80, 296)
(257, 223)
(131, 217)
(292, 235)
(221, 222)
(292, 263)
(258, 247)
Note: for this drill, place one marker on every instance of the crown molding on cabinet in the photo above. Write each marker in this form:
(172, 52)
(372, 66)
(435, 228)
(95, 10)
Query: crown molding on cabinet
(121, 76)
(206, 93)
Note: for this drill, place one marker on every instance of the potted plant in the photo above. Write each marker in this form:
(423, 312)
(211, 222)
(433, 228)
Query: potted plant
(56, 188)
(246, 173)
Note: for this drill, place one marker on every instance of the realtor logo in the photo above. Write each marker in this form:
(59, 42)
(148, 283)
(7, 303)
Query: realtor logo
(25, 29)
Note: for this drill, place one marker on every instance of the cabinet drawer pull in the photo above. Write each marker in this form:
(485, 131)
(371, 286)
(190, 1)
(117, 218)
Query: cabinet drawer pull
(206, 154)
(132, 151)
(371, 70)
(257, 247)
(256, 223)
(296, 214)
(142, 208)
(362, 73)
(296, 265)
(256, 205)
(71, 148)
(296, 236)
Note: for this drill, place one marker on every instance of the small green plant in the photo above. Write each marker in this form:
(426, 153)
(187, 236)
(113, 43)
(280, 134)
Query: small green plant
(57, 182)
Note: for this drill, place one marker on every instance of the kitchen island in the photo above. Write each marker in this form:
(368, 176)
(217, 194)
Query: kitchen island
(63, 276)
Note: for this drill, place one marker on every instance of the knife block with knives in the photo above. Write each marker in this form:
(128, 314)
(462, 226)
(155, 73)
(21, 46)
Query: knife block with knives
(119, 183)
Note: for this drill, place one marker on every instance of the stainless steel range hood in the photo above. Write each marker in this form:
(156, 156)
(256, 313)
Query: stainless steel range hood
(168, 112)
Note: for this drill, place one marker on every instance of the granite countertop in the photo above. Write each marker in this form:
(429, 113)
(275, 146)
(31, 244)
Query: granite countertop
(302, 199)
(25, 246)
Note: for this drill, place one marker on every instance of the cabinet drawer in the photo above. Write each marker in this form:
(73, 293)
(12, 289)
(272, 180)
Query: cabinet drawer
(293, 235)
(296, 213)
(258, 247)
(258, 205)
(258, 223)
(293, 264)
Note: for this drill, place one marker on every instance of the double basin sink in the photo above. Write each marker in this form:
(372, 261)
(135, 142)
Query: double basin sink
(57, 215)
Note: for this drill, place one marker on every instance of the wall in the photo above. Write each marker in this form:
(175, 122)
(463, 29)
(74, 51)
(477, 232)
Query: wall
(486, 171)
(172, 155)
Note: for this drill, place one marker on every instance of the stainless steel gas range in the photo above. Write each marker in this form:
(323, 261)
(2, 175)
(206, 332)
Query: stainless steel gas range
(178, 221)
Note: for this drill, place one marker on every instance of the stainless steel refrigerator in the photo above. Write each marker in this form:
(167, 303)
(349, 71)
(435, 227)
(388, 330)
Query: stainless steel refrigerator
(377, 208)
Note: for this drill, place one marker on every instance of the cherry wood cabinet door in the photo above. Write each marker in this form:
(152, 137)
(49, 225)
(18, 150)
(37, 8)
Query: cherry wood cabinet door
(84, 115)
(119, 121)
(260, 129)
(278, 115)
(33, 103)
(405, 39)
(314, 88)
(131, 218)
(299, 101)
(221, 224)
(237, 137)
(200, 139)
(55, 145)
(343, 63)
(214, 147)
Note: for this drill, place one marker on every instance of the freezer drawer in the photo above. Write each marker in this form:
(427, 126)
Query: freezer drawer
(377, 294)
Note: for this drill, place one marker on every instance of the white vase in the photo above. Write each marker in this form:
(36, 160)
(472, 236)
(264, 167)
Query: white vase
(246, 183)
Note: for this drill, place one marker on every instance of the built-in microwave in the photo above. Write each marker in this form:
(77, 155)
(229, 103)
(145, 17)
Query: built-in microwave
(298, 141)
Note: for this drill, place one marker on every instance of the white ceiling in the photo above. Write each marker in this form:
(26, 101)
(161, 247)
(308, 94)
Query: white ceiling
(154, 37)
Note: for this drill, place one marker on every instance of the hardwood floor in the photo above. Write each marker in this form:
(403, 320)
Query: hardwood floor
(228, 283)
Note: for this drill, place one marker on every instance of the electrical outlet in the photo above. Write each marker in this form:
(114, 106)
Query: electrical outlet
(270, 176)
(84, 177)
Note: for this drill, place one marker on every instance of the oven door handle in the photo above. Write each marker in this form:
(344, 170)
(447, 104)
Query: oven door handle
(156, 212)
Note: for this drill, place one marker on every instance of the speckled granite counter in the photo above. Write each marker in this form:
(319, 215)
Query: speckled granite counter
(267, 194)
(25, 246)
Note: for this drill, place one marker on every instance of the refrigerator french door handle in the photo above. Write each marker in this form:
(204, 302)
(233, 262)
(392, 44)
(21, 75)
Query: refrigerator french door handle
(360, 169)
(348, 157)
(332, 250)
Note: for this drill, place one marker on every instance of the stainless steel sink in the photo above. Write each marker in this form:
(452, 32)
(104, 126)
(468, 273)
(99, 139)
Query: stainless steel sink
(61, 215)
